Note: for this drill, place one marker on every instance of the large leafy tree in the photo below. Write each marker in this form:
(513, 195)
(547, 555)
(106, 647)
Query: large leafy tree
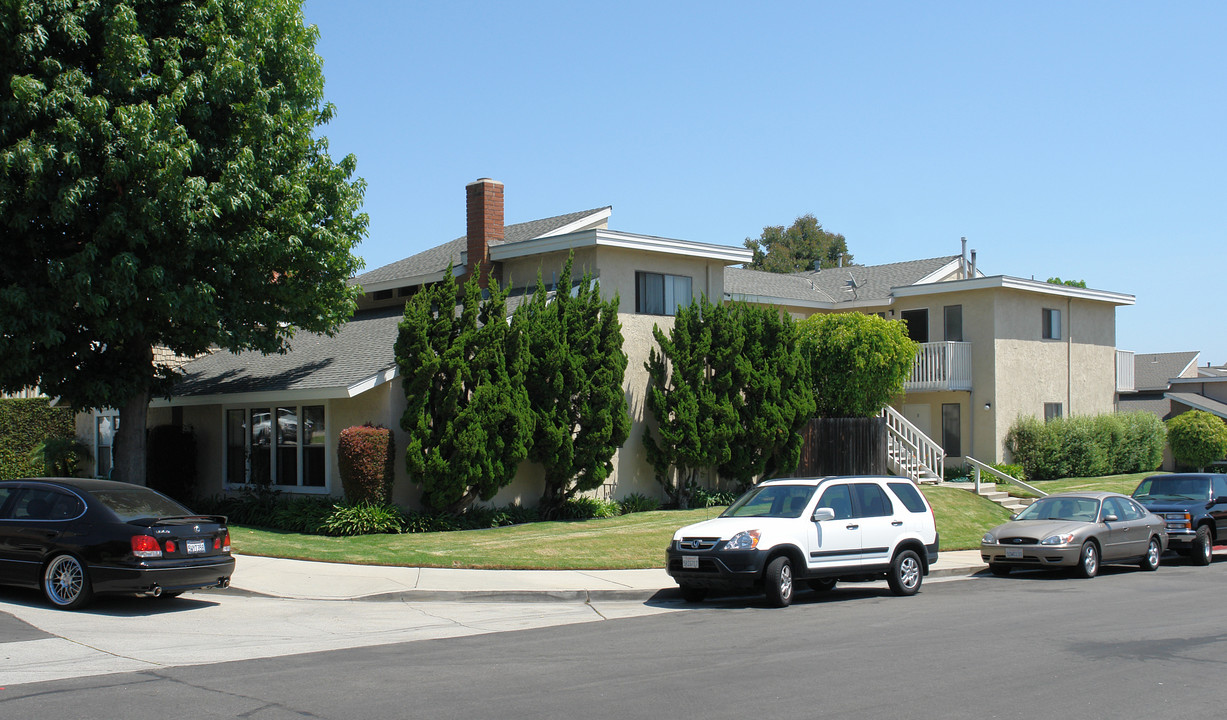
(161, 185)
(689, 393)
(467, 411)
(857, 362)
(797, 247)
(771, 394)
(574, 381)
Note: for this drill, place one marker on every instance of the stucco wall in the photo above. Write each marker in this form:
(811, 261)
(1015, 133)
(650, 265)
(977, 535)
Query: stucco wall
(619, 265)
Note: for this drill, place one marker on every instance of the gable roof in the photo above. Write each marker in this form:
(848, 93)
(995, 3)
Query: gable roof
(1199, 402)
(874, 283)
(359, 357)
(1152, 371)
(437, 262)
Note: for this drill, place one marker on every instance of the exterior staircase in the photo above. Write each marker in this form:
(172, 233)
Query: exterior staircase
(909, 452)
(989, 491)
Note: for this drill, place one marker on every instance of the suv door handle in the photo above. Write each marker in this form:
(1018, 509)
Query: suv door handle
(897, 523)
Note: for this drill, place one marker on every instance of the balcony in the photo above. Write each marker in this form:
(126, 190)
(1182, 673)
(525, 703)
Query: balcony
(941, 366)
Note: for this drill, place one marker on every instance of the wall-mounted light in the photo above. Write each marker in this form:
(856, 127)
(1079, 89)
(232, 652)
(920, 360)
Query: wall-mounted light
(988, 406)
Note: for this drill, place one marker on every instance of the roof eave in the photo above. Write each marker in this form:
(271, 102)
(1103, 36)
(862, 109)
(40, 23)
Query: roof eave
(610, 238)
(337, 392)
(1013, 283)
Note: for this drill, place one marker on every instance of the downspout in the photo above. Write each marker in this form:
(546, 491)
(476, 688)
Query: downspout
(1069, 356)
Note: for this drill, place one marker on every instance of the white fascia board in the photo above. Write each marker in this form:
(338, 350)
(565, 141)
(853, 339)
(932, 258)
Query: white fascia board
(1199, 380)
(941, 272)
(274, 397)
(1191, 364)
(629, 241)
(587, 221)
(816, 304)
(1013, 283)
(403, 282)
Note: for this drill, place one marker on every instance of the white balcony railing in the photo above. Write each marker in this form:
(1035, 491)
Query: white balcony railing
(941, 366)
(1124, 371)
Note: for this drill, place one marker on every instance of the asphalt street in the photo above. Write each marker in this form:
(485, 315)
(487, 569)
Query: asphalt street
(1127, 644)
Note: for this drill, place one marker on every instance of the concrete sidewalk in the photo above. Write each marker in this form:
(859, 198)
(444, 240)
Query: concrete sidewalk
(275, 577)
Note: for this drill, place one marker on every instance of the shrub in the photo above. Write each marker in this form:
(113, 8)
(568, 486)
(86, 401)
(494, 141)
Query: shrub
(701, 497)
(1086, 446)
(60, 456)
(586, 508)
(857, 362)
(24, 423)
(638, 502)
(257, 506)
(304, 513)
(1013, 470)
(365, 459)
(956, 473)
(363, 518)
(1197, 438)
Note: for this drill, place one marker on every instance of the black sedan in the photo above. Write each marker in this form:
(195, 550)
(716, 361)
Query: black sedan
(75, 537)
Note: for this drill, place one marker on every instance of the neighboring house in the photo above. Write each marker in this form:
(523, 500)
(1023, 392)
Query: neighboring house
(993, 347)
(1152, 375)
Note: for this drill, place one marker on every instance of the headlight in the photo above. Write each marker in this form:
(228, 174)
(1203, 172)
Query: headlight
(744, 540)
(988, 539)
(1058, 539)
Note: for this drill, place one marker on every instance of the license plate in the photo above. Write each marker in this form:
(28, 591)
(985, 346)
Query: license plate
(1013, 553)
(195, 546)
(690, 562)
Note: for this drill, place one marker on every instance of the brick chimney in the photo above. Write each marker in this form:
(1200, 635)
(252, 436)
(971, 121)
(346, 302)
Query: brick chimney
(484, 224)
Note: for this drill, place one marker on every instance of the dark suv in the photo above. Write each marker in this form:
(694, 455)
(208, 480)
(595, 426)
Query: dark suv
(1195, 508)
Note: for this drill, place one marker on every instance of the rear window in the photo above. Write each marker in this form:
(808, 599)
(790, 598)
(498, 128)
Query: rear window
(138, 502)
(909, 495)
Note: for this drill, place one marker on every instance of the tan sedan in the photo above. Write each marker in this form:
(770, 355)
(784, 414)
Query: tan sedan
(1081, 530)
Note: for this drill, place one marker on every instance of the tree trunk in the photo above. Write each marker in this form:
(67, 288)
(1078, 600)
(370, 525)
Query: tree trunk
(129, 449)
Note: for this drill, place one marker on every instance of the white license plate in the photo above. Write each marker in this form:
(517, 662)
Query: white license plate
(1013, 553)
(690, 562)
(195, 546)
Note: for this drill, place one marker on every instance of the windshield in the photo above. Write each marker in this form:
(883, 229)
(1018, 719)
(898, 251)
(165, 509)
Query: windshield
(1173, 487)
(781, 501)
(1062, 508)
(138, 502)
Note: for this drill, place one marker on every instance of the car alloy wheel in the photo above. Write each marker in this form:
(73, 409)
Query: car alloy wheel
(779, 582)
(1088, 560)
(905, 573)
(1203, 547)
(65, 583)
(1151, 561)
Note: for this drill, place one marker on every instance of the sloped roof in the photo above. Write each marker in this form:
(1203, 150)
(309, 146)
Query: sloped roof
(873, 282)
(1152, 371)
(1199, 402)
(361, 349)
(443, 257)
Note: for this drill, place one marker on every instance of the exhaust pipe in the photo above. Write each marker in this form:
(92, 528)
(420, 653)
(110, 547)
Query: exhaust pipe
(224, 583)
(155, 591)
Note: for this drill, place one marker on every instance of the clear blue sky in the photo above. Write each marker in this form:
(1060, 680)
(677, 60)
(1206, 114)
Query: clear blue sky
(1081, 140)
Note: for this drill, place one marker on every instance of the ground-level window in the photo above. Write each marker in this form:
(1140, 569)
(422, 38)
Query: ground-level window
(105, 427)
(952, 429)
(657, 294)
(1051, 324)
(276, 445)
(1052, 411)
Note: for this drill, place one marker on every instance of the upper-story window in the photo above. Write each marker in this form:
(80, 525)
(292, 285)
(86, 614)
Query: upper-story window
(1051, 329)
(658, 294)
(917, 324)
(1052, 411)
(953, 322)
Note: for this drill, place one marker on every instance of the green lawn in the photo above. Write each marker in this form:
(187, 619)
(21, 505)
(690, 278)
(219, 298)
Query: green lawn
(1115, 483)
(630, 541)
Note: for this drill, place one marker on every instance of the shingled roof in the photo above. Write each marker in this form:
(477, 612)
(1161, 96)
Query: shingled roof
(873, 282)
(1152, 371)
(361, 350)
(443, 257)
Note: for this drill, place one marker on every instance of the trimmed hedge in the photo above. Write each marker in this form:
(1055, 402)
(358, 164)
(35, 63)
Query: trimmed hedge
(365, 457)
(24, 424)
(1198, 438)
(1087, 446)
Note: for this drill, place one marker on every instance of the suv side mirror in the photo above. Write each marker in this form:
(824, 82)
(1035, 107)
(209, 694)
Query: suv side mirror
(823, 514)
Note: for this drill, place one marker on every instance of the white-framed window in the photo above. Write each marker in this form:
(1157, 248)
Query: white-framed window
(1051, 324)
(280, 445)
(106, 424)
(658, 294)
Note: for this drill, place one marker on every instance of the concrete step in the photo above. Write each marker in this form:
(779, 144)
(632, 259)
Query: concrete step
(996, 496)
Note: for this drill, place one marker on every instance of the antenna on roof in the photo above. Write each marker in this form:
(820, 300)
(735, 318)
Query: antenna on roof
(853, 285)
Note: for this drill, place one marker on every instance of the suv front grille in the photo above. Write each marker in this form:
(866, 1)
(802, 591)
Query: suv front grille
(697, 543)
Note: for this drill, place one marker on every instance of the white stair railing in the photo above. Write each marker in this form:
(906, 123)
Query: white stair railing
(910, 451)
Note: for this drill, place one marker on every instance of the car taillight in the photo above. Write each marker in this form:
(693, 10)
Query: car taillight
(170, 546)
(225, 544)
(146, 546)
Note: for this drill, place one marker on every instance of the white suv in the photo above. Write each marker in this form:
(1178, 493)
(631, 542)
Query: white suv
(819, 530)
